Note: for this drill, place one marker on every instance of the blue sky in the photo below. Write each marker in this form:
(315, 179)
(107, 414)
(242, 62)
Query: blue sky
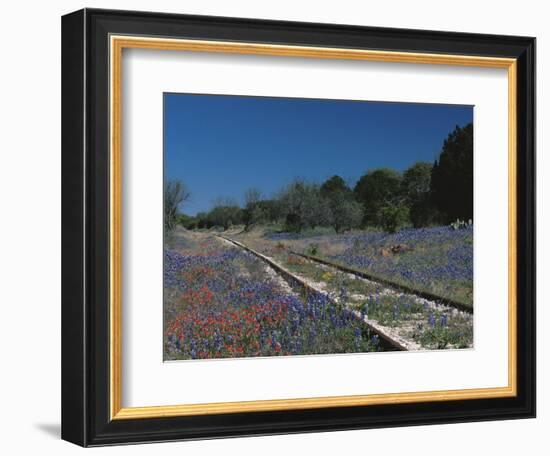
(221, 145)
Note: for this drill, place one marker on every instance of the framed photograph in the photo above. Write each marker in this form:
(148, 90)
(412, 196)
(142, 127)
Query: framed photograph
(277, 227)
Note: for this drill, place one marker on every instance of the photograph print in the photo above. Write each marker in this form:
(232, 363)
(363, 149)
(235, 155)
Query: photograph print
(297, 226)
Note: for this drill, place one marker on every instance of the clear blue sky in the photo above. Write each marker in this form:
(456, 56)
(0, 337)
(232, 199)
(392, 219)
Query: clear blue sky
(221, 145)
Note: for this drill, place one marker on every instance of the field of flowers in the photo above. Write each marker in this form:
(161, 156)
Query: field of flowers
(222, 302)
(437, 260)
(410, 317)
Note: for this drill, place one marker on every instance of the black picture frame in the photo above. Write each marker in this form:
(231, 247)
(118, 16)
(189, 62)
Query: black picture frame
(85, 224)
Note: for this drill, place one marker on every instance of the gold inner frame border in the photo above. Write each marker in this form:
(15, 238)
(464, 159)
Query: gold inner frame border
(117, 44)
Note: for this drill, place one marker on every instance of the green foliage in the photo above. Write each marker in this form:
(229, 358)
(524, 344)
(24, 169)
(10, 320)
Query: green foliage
(202, 220)
(334, 185)
(313, 249)
(376, 189)
(452, 182)
(415, 188)
(303, 206)
(175, 194)
(187, 221)
(345, 212)
(272, 209)
(255, 211)
(255, 215)
(416, 181)
(260, 211)
(424, 213)
(224, 215)
(393, 217)
(440, 337)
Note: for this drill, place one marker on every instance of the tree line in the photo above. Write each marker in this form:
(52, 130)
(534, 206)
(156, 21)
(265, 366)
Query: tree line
(425, 194)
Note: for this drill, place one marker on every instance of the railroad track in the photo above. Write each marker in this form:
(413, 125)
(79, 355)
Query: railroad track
(389, 342)
(388, 283)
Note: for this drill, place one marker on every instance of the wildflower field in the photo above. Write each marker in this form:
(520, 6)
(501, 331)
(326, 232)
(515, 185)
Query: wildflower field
(438, 260)
(222, 302)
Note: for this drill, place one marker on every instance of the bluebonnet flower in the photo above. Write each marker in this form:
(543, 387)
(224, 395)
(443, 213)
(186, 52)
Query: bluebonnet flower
(228, 313)
(218, 341)
(440, 256)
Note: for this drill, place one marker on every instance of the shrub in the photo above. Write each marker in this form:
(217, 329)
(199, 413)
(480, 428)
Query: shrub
(393, 217)
(313, 249)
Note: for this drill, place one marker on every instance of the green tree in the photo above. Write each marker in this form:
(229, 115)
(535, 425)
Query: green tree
(303, 207)
(393, 217)
(272, 209)
(452, 180)
(345, 212)
(225, 216)
(202, 220)
(416, 181)
(252, 212)
(415, 189)
(187, 221)
(334, 185)
(376, 189)
(175, 194)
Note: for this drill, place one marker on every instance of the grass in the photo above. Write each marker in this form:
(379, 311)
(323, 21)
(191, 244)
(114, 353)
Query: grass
(435, 260)
(427, 264)
(427, 325)
(336, 281)
(430, 327)
(221, 302)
